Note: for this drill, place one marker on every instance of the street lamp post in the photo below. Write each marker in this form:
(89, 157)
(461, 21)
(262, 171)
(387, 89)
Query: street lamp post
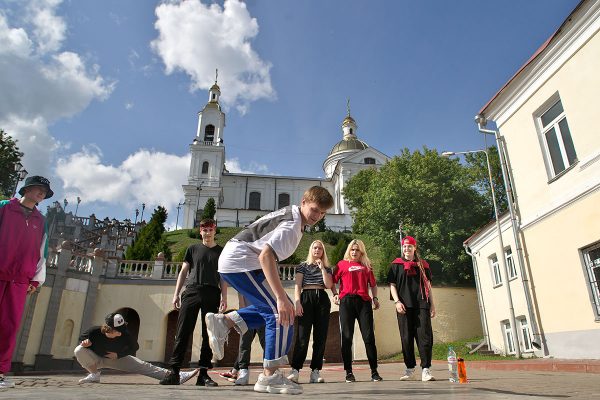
(21, 174)
(77, 206)
(178, 208)
(199, 189)
(481, 122)
(511, 308)
(143, 208)
(66, 203)
(137, 212)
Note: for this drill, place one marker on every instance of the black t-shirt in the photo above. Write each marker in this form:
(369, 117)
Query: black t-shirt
(409, 283)
(124, 345)
(204, 264)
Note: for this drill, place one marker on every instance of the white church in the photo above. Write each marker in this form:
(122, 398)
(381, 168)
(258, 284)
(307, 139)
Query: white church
(240, 198)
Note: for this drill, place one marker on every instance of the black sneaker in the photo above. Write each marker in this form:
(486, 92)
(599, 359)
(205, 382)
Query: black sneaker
(350, 377)
(375, 377)
(205, 380)
(172, 378)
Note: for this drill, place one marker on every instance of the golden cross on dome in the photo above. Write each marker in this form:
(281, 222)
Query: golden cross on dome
(216, 75)
(348, 105)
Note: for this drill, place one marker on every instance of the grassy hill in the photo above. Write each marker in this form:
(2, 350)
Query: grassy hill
(179, 241)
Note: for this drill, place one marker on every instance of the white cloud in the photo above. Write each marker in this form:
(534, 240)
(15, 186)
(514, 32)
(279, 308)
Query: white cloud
(197, 39)
(150, 177)
(129, 105)
(41, 84)
(233, 165)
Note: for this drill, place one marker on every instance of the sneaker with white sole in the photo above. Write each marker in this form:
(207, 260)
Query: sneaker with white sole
(315, 376)
(91, 378)
(276, 384)
(243, 377)
(294, 375)
(408, 374)
(217, 334)
(185, 376)
(6, 383)
(426, 375)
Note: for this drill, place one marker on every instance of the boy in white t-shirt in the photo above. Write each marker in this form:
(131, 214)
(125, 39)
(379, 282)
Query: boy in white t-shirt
(249, 264)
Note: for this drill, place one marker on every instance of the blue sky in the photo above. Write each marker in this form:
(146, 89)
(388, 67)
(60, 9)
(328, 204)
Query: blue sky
(103, 95)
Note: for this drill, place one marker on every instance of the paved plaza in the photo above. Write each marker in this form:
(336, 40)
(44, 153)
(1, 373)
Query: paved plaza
(484, 384)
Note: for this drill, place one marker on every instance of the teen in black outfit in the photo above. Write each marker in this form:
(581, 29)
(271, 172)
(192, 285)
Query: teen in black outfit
(410, 287)
(312, 307)
(204, 293)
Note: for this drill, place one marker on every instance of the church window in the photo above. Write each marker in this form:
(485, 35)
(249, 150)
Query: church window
(254, 201)
(351, 131)
(369, 160)
(214, 96)
(205, 167)
(283, 200)
(209, 133)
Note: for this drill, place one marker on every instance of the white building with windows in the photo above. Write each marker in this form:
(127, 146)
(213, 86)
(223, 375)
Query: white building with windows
(545, 118)
(240, 198)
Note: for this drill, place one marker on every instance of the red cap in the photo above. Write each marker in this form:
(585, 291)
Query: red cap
(409, 240)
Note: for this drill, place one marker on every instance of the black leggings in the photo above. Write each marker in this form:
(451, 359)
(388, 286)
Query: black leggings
(316, 307)
(353, 307)
(416, 325)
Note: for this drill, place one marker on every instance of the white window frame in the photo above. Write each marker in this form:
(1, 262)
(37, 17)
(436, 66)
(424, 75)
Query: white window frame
(508, 338)
(593, 283)
(561, 145)
(525, 333)
(495, 270)
(510, 263)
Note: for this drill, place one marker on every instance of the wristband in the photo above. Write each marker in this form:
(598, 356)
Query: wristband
(375, 298)
(397, 301)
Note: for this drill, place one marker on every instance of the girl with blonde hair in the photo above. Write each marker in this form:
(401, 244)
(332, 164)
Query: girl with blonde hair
(355, 275)
(312, 308)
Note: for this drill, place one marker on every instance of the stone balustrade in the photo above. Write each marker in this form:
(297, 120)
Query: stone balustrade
(287, 272)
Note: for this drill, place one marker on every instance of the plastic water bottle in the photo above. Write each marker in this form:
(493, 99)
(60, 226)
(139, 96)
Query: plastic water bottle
(452, 365)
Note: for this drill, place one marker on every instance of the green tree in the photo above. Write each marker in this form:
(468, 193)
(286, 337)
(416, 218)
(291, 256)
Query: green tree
(321, 226)
(435, 200)
(9, 156)
(150, 240)
(210, 209)
(478, 171)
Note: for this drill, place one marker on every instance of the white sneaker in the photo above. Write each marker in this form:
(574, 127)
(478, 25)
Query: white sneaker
(426, 375)
(243, 377)
(315, 376)
(91, 378)
(277, 384)
(217, 334)
(408, 374)
(185, 376)
(294, 375)
(5, 383)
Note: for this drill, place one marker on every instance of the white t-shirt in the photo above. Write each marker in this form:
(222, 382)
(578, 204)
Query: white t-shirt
(280, 230)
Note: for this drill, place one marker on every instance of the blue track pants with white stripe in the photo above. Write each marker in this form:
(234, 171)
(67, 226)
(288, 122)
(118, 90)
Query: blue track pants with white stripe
(262, 311)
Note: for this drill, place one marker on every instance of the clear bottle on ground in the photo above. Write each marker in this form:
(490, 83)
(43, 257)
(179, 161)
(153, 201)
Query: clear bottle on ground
(452, 365)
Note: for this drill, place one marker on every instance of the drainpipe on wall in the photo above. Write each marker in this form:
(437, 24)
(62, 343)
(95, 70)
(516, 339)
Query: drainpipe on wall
(538, 338)
(482, 315)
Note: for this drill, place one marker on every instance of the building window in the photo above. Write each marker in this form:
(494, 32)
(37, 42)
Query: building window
(495, 268)
(205, 167)
(525, 334)
(209, 133)
(591, 257)
(369, 160)
(510, 263)
(214, 96)
(508, 337)
(254, 201)
(283, 200)
(559, 149)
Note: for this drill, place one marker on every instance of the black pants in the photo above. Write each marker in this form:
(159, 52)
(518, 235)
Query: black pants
(195, 299)
(353, 308)
(416, 325)
(316, 307)
(245, 350)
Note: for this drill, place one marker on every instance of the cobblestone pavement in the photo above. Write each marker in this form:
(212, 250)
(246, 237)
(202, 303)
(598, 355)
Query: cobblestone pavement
(483, 384)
